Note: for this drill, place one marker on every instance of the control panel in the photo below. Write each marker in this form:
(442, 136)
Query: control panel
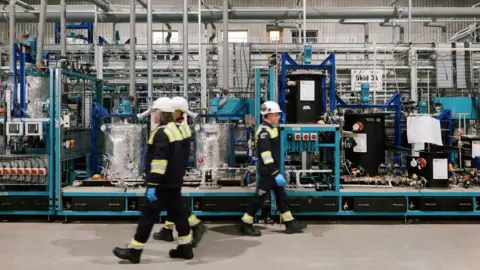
(302, 141)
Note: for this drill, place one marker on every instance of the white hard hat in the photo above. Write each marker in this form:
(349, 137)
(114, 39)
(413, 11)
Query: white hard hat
(163, 104)
(269, 107)
(180, 103)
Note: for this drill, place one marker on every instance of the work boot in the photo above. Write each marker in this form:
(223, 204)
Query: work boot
(198, 232)
(248, 229)
(130, 254)
(182, 252)
(295, 226)
(164, 235)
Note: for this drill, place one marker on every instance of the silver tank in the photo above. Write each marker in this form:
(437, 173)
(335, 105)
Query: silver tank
(124, 148)
(214, 144)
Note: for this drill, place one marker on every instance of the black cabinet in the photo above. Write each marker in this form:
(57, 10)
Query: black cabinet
(37, 203)
(313, 204)
(463, 204)
(114, 204)
(376, 204)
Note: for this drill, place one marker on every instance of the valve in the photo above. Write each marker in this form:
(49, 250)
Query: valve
(14, 171)
(411, 206)
(345, 206)
(34, 171)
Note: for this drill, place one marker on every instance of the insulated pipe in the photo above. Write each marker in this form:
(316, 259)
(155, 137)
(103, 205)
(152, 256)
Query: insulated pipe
(410, 35)
(366, 29)
(173, 15)
(21, 4)
(185, 49)
(41, 33)
(150, 53)
(143, 115)
(442, 26)
(304, 22)
(132, 88)
(399, 26)
(101, 4)
(143, 4)
(225, 44)
(11, 25)
(63, 27)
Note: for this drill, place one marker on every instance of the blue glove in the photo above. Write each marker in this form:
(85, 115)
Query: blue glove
(281, 181)
(151, 194)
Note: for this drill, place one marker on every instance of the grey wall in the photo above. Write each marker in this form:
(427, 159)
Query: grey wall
(257, 32)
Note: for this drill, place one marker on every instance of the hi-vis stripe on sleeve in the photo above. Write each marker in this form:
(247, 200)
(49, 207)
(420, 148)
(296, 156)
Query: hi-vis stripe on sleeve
(173, 133)
(267, 157)
(159, 166)
(187, 129)
(152, 134)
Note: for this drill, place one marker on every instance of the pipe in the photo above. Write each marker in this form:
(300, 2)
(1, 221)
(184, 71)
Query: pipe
(214, 33)
(185, 49)
(143, 4)
(133, 9)
(41, 34)
(101, 4)
(286, 26)
(149, 53)
(225, 44)
(143, 115)
(387, 23)
(442, 26)
(174, 15)
(63, 28)
(410, 37)
(11, 25)
(21, 4)
(199, 28)
(366, 29)
(304, 22)
(169, 33)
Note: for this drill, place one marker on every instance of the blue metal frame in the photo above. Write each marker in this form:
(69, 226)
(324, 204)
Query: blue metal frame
(76, 26)
(19, 56)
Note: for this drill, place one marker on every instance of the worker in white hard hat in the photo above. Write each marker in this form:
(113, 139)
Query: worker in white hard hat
(164, 178)
(268, 152)
(166, 233)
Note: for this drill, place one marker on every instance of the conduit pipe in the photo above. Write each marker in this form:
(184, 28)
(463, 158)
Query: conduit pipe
(366, 29)
(169, 27)
(132, 88)
(174, 15)
(41, 34)
(185, 49)
(442, 26)
(214, 33)
(11, 25)
(387, 23)
(143, 4)
(63, 28)
(289, 26)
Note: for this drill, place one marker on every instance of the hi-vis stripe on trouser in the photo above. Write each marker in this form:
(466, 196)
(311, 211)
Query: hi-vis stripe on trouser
(135, 244)
(267, 157)
(184, 240)
(159, 166)
(287, 216)
(192, 221)
(247, 219)
(169, 225)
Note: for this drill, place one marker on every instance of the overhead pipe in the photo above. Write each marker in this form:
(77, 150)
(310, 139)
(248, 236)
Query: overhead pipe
(387, 23)
(366, 28)
(442, 26)
(143, 4)
(304, 22)
(291, 26)
(133, 41)
(410, 27)
(11, 25)
(102, 5)
(169, 33)
(41, 34)
(185, 49)
(63, 28)
(174, 15)
(21, 4)
(149, 53)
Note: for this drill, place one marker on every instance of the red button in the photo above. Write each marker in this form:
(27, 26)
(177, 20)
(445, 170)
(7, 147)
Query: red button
(305, 137)
(313, 137)
(297, 137)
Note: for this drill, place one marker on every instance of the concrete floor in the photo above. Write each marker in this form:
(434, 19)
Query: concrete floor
(54, 246)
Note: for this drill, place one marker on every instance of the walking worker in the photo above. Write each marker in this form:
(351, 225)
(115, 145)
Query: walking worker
(268, 153)
(180, 106)
(164, 178)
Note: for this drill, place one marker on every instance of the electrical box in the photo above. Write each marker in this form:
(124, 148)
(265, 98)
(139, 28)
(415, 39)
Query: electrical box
(15, 128)
(33, 129)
